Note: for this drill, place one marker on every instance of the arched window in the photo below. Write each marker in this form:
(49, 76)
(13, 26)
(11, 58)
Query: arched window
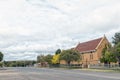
(82, 56)
(91, 56)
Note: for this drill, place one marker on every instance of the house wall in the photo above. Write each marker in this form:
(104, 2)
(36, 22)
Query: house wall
(102, 45)
(89, 58)
(63, 62)
(95, 59)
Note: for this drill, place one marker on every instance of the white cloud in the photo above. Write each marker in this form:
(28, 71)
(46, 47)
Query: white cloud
(32, 27)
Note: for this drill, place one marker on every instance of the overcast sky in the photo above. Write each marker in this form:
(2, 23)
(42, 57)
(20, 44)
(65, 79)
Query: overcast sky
(32, 27)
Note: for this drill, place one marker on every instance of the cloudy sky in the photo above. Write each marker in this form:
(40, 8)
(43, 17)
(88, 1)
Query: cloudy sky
(32, 27)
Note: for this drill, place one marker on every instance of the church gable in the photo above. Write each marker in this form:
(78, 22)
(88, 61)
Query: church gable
(88, 46)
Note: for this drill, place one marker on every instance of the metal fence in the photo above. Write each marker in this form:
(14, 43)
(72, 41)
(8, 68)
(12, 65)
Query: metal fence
(104, 66)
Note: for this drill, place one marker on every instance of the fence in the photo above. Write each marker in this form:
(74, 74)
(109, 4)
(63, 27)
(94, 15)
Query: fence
(71, 66)
(66, 66)
(91, 66)
(104, 66)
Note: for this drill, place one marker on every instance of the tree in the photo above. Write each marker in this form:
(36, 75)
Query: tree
(48, 58)
(116, 38)
(108, 58)
(1, 56)
(56, 59)
(117, 52)
(41, 58)
(116, 42)
(107, 55)
(70, 55)
(58, 51)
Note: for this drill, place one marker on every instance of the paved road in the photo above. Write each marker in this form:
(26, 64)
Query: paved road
(55, 74)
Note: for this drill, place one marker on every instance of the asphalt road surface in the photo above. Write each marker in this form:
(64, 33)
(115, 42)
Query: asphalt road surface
(55, 74)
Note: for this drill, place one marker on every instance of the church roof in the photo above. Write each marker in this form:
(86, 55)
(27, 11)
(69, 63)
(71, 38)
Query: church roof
(88, 46)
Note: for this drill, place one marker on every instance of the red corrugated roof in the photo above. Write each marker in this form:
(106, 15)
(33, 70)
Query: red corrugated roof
(88, 46)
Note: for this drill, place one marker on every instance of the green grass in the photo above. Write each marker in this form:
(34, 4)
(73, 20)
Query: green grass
(102, 70)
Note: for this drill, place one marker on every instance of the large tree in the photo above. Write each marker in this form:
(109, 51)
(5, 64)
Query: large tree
(56, 57)
(107, 55)
(117, 52)
(44, 58)
(116, 42)
(1, 56)
(48, 58)
(116, 38)
(70, 55)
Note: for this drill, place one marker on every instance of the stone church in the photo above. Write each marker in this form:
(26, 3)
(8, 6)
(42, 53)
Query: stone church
(91, 51)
